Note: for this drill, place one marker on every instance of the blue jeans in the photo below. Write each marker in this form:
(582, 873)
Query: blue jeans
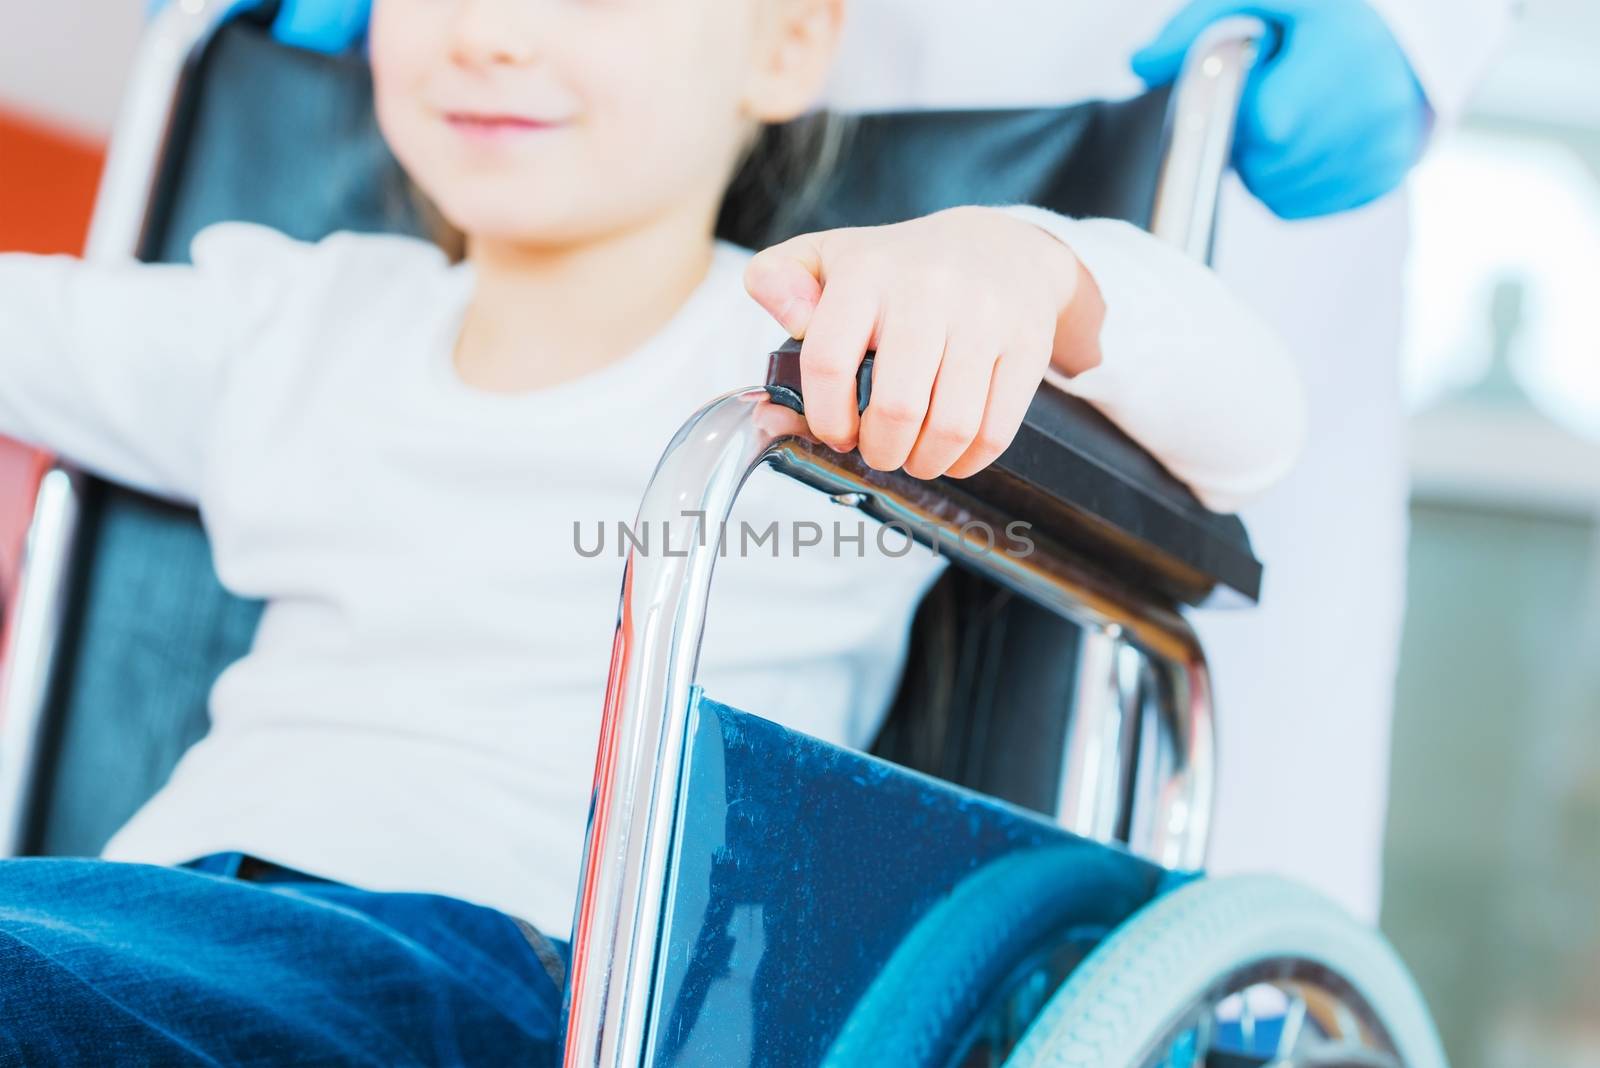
(232, 961)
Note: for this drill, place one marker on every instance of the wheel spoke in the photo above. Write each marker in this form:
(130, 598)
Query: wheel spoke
(1247, 1021)
(1202, 1038)
(1294, 1022)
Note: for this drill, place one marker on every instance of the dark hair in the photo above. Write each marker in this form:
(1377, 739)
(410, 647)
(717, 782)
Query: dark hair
(432, 222)
(782, 177)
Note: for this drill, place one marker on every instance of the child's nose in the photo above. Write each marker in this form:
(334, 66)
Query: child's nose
(493, 33)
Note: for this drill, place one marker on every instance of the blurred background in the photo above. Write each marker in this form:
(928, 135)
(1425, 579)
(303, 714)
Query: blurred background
(1492, 885)
(1492, 888)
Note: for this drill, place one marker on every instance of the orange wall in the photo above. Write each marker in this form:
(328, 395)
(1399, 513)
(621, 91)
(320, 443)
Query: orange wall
(47, 185)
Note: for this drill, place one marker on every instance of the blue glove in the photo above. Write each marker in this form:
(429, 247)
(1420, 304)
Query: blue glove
(1332, 117)
(318, 25)
(322, 25)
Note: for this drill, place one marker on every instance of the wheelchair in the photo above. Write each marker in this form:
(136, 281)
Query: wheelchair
(1011, 876)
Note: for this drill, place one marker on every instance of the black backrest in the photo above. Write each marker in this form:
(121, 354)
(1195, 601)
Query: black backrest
(1097, 159)
(151, 627)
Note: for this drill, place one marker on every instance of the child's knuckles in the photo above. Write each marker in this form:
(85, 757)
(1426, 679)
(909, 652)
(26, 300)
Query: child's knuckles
(942, 280)
(991, 441)
(989, 308)
(921, 467)
(1036, 340)
(829, 430)
(827, 370)
(962, 468)
(951, 432)
(897, 410)
(872, 269)
(993, 437)
(881, 457)
(968, 466)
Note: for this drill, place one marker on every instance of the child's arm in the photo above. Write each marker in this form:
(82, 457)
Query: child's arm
(1185, 367)
(969, 309)
(117, 369)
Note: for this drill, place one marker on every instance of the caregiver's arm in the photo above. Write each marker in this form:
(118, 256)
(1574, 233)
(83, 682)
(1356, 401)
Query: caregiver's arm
(1340, 106)
(1450, 43)
(116, 368)
(1182, 366)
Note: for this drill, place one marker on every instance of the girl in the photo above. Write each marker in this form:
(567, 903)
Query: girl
(357, 863)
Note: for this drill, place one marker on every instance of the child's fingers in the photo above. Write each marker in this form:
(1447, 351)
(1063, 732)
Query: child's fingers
(837, 338)
(960, 394)
(910, 346)
(1011, 390)
(786, 280)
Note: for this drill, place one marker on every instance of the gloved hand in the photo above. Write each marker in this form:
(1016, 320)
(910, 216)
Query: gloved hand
(322, 25)
(318, 25)
(1333, 116)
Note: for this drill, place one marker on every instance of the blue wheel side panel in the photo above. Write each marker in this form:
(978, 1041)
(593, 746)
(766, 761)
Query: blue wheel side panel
(800, 867)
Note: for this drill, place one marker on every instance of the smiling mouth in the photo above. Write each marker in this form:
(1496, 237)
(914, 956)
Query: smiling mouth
(477, 125)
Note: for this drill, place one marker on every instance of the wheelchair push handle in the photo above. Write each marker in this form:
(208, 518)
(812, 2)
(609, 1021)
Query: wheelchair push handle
(783, 379)
(1201, 120)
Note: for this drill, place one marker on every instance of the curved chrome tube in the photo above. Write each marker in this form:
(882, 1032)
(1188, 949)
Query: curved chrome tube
(616, 936)
(169, 53)
(1098, 761)
(30, 650)
(1180, 824)
(662, 617)
(1199, 134)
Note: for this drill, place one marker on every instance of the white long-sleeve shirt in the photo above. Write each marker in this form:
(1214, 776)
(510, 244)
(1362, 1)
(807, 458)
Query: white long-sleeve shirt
(420, 707)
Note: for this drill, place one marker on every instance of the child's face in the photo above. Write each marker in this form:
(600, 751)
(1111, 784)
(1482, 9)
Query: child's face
(554, 121)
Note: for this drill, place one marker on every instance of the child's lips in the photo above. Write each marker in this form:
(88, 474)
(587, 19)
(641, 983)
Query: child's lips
(498, 127)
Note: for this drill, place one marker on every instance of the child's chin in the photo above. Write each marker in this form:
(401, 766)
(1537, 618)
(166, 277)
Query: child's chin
(530, 221)
(523, 233)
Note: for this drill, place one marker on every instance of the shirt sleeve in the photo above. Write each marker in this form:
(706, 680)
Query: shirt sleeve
(118, 369)
(1187, 369)
(1450, 43)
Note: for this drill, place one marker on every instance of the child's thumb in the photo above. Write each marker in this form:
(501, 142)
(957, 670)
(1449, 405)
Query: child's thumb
(786, 280)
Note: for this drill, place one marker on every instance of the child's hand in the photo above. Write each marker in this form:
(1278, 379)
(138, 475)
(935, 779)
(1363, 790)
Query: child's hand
(965, 308)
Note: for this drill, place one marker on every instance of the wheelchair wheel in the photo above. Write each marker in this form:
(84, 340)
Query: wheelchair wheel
(1167, 987)
(972, 973)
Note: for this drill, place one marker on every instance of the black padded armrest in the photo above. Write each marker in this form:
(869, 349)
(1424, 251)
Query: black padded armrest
(1082, 482)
